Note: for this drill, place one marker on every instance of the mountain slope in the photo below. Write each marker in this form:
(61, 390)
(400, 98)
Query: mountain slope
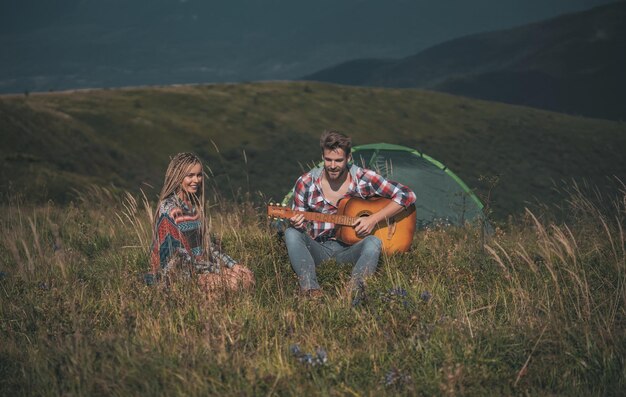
(571, 64)
(259, 137)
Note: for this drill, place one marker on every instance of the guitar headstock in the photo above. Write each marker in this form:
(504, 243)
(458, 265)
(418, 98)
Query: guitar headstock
(279, 211)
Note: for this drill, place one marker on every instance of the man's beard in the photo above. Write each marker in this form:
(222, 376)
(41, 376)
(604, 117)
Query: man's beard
(339, 172)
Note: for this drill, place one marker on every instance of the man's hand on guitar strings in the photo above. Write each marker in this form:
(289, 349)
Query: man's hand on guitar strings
(364, 226)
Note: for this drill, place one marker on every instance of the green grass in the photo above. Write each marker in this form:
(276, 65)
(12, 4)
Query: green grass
(539, 309)
(56, 142)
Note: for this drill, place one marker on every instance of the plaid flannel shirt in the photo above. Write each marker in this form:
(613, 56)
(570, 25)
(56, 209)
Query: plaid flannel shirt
(308, 196)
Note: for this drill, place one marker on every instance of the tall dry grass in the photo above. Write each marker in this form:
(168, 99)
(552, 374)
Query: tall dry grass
(539, 310)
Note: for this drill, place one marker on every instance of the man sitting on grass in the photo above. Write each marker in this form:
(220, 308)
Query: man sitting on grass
(310, 243)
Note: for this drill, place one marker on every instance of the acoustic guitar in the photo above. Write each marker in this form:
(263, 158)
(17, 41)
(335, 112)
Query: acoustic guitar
(395, 233)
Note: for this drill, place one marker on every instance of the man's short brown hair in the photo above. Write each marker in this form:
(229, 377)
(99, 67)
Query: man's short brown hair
(332, 140)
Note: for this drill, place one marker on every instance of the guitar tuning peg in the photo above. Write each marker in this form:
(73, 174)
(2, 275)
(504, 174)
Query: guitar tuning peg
(271, 204)
(284, 205)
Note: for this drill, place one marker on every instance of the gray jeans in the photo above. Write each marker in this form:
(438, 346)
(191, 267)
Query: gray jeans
(305, 254)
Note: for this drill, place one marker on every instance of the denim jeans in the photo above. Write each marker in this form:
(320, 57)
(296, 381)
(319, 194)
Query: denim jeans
(305, 254)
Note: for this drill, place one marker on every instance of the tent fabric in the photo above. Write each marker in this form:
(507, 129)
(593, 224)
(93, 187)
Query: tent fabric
(442, 197)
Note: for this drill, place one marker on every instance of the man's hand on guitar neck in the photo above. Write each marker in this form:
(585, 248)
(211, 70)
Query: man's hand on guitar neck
(297, 221)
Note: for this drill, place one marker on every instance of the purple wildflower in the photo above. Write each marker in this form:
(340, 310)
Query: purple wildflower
(322, 357)
(396, 377)
(398, 291)
(307, 359)
(295, 349)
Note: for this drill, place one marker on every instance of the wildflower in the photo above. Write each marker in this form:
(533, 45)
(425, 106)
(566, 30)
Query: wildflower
(396, 377)
(398, 291)
(397, 295)
(3, 275)
(425, 296)
(320, 358)
(390, 378)
(295, 349)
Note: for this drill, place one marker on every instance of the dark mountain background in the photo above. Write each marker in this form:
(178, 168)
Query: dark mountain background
(575, 63)
(69, 44)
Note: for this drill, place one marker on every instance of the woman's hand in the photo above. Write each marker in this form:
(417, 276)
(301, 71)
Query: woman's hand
(243, 275)
(176, 213)
(238, 277)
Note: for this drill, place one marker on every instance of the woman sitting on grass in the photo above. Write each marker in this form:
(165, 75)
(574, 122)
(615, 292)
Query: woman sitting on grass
(181, 244)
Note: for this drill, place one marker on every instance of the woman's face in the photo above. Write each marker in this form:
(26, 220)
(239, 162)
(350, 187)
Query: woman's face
(192, 181)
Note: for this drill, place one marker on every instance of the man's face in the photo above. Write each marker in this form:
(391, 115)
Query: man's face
(335, 163)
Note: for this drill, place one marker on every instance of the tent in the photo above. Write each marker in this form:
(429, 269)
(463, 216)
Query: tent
(442, 197)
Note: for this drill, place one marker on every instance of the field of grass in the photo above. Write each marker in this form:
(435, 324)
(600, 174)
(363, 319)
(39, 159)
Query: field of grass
(257, 138)
(539, 308)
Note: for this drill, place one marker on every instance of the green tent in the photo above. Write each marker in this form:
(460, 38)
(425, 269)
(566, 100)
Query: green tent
(442, 197)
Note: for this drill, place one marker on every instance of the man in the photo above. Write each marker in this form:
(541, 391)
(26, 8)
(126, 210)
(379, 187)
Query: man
(310, 243)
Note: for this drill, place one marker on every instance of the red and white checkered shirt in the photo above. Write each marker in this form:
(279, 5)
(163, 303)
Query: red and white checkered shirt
(308, 196)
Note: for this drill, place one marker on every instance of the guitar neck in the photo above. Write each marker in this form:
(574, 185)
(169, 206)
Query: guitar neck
(330, 218)
(282, 212)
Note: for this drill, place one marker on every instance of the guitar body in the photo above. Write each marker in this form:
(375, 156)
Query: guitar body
(396, 234)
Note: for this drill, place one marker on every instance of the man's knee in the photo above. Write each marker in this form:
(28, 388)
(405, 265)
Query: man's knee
(372, 244)
(292, 235)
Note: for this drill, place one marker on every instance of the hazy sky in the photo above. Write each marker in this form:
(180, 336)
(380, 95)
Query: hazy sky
(31, 14)
(64, 43)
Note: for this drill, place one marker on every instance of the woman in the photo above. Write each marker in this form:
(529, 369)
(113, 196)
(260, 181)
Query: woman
(181, 244)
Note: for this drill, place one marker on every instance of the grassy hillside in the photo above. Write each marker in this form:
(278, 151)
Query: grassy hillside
(257, 137)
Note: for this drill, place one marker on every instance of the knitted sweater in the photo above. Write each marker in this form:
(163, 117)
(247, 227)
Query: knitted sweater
(178, 241)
